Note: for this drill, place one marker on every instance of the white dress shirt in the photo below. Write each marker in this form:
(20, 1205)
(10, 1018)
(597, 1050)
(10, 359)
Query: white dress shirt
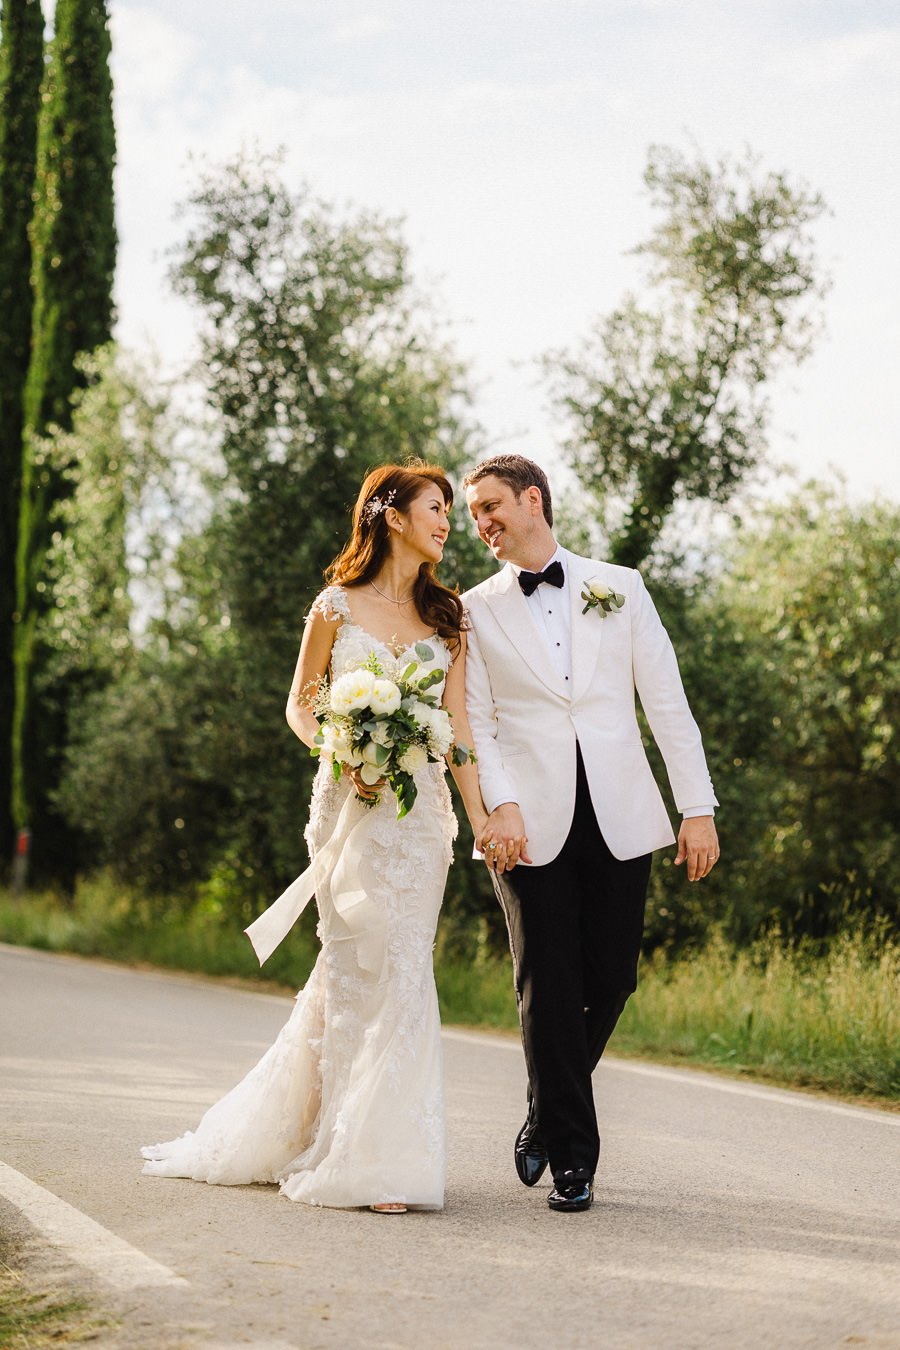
(550, 610)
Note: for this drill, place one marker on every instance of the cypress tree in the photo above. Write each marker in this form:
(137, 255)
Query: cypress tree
(74, 248)
(21, 70)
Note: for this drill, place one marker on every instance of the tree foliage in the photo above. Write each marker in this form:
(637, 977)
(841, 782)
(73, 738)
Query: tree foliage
(104, 540)
(21, 71)
(314, 368)
(74, 248)
(792, 663)
(107, 525)
(73, 228)
(826, 621)
(667, 404)
(317, 365)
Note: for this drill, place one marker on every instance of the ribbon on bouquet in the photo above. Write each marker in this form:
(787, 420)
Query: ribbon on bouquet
(337, 862)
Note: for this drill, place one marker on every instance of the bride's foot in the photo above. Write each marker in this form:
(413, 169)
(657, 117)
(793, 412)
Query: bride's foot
(388, 1209)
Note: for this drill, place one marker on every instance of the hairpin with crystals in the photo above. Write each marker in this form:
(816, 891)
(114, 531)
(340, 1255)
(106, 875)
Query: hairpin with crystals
(374, 506)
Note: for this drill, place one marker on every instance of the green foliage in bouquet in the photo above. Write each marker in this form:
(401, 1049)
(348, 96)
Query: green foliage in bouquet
(384, 722)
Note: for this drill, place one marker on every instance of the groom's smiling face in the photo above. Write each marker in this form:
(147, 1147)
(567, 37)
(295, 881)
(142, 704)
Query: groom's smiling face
(506, 523)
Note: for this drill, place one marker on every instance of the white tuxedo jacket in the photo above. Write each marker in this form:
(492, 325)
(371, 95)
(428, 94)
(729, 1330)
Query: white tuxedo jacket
(526, 719)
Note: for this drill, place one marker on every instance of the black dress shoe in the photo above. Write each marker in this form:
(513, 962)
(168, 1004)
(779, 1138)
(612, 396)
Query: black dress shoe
(571, 1192)
(530, 1154)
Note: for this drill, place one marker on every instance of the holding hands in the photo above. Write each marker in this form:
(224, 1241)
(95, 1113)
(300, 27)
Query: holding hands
(503, 838)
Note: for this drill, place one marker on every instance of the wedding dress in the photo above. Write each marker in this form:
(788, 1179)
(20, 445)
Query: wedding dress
(346, 1108)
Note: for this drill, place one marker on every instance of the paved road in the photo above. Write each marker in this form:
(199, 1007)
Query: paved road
(726, 1215)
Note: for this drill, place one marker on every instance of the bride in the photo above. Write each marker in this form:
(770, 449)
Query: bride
(346, 1109)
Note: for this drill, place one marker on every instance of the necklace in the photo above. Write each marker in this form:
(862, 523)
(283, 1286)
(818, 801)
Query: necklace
(390, 597)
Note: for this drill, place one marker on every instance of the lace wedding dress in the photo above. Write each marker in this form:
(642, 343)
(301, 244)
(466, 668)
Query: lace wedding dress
(346, 1108)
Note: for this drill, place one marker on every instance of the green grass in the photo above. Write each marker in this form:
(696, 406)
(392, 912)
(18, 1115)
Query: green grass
(826, 1020)
(476, 993)
(109, 920)
(34, 1318)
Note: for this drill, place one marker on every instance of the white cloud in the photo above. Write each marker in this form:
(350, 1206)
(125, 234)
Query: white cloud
(361, 28)
(873, 53)
(152, 56)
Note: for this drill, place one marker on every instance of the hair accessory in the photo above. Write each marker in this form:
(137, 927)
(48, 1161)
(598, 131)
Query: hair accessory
(374, 506)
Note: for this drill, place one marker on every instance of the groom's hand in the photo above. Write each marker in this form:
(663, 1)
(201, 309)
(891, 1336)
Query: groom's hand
(698, 843)
(503, 838)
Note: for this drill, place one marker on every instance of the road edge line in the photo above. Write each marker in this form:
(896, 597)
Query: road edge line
(83, 1239)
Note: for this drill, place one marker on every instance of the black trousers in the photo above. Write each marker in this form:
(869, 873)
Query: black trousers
(575, 928)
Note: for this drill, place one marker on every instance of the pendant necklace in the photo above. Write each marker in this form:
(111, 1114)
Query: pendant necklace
(390, 597)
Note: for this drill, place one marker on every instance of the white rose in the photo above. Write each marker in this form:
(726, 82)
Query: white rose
(352, 691)
(426, 716)
(440, 731)
(337, 742)
(422, 714)
(369, 753)
(383, 735)
(414, 759)
(437, 726)
(385, 698)
(598, 589)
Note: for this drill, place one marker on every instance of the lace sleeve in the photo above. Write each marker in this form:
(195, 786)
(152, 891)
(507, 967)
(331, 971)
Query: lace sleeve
(332, 604)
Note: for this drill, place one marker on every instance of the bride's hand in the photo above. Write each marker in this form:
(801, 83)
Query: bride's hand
(478, 824)
(368, 791)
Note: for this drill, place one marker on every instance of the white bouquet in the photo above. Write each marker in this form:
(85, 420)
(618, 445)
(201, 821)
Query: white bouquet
(386, 724)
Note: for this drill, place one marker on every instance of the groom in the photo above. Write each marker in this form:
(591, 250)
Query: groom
(575, 813)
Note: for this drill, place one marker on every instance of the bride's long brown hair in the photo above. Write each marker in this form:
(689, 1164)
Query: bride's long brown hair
(365, 552)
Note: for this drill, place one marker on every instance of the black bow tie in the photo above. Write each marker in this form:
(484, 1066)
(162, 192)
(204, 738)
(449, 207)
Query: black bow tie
(553, 575)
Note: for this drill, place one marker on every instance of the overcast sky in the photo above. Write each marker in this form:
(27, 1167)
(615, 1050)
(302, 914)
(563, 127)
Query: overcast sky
(511, 136)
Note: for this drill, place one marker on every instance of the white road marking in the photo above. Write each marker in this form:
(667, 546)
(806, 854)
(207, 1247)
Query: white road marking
(698, 1078)
(87, 1242)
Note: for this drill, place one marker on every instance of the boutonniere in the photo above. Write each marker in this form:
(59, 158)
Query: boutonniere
(599, 596)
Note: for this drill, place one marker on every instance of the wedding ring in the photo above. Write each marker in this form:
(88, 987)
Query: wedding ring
(492, 845)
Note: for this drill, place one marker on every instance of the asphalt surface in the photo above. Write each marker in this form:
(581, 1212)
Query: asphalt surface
(725, 1214)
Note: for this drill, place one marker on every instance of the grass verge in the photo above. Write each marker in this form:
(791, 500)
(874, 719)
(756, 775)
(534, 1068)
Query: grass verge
(34, 1315)
(826, 1020)
(109, 920)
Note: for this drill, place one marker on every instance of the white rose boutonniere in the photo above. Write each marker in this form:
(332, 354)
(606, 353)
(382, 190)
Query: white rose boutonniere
(598, 595)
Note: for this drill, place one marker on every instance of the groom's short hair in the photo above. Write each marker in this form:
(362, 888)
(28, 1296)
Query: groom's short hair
(520, 473)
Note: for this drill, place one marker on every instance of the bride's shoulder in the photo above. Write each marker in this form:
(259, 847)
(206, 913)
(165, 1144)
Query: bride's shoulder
(332, 604)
